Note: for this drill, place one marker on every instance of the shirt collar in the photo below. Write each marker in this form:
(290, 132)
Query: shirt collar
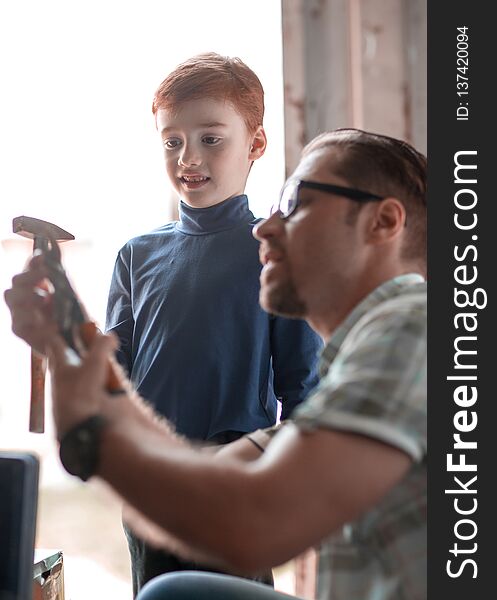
(387, 290)
(220, 217)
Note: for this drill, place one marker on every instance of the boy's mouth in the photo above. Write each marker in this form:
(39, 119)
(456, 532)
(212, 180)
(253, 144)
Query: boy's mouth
(192, 182)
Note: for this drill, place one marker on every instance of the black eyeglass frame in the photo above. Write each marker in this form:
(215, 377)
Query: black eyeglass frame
(338, 190)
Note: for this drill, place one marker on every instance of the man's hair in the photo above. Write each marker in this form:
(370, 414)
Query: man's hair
(218, 77)
(387, 167)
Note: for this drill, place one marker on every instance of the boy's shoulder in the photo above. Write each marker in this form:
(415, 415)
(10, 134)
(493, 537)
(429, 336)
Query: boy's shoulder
(153, 236)
(169, 235)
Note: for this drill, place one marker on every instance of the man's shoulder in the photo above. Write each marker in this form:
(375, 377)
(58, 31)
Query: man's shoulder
(398, 320)
(410, 301)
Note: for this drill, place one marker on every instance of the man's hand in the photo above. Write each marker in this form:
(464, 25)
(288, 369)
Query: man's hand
(30, 304)
(78, 385)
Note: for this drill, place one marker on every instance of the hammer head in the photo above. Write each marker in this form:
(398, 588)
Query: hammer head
(36, 228)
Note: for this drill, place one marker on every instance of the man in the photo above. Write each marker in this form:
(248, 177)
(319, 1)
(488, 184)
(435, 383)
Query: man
(346, 250)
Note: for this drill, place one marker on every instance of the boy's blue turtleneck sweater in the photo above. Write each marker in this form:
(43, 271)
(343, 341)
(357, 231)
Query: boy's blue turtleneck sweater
(184, 301)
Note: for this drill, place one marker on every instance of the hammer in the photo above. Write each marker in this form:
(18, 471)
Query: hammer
(41, 232)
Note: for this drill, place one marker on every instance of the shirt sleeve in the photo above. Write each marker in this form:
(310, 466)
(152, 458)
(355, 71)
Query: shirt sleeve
(119, 316)
(376, 385)
(294, 353)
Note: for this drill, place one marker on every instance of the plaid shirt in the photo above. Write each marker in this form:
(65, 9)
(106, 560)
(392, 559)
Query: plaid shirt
(374, 383)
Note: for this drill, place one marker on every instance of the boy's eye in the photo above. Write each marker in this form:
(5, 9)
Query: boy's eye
(171, 143)
(211, 140)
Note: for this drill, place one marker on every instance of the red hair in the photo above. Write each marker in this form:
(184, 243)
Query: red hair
(213, 76)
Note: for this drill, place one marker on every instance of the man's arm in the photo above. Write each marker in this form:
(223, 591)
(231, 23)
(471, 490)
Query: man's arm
(305, 486)
(247, 448)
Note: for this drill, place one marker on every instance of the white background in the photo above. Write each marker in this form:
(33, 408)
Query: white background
(78, 147)
(78, 144)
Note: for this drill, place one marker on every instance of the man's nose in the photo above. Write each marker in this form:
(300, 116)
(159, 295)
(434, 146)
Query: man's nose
(268, 228)
(189, 156)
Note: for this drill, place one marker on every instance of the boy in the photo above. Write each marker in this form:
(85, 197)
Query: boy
(184, 298)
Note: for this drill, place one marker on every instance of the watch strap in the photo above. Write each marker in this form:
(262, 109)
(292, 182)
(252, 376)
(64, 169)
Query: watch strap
(79, 448)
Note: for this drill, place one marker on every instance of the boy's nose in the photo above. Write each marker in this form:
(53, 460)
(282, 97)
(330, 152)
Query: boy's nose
(189, 156)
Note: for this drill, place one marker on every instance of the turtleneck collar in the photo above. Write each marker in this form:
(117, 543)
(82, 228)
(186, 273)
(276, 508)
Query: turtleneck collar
(220, 217)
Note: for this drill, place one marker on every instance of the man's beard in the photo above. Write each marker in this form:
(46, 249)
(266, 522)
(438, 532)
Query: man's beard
(283, 301)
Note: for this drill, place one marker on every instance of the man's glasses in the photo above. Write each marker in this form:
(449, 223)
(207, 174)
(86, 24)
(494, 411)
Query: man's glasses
(289, 199)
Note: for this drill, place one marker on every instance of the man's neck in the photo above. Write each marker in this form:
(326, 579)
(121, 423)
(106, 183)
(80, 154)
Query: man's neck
(325, 325)
(325, 322)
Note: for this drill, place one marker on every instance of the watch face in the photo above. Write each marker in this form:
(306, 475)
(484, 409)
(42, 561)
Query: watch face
(79, 448)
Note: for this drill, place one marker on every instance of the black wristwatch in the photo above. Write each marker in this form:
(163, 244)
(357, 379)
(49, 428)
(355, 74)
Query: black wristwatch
(79, 449)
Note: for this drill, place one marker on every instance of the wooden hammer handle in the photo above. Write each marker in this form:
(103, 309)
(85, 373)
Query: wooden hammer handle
(88, 332)
(37, 404)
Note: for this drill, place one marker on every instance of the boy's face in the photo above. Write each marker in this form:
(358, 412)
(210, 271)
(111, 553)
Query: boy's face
(208, 150)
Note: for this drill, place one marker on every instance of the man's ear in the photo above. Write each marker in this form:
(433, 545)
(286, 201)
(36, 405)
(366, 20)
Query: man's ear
(258, 144)
(389, 218)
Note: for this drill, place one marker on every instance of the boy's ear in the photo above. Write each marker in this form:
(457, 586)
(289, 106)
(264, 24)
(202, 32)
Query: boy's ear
(258, 144)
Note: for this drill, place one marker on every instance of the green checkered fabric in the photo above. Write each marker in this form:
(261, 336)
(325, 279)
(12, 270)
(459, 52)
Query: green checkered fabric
(374, 383)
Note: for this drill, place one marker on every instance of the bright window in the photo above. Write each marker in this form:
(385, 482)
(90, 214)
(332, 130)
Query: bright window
(78, 147)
